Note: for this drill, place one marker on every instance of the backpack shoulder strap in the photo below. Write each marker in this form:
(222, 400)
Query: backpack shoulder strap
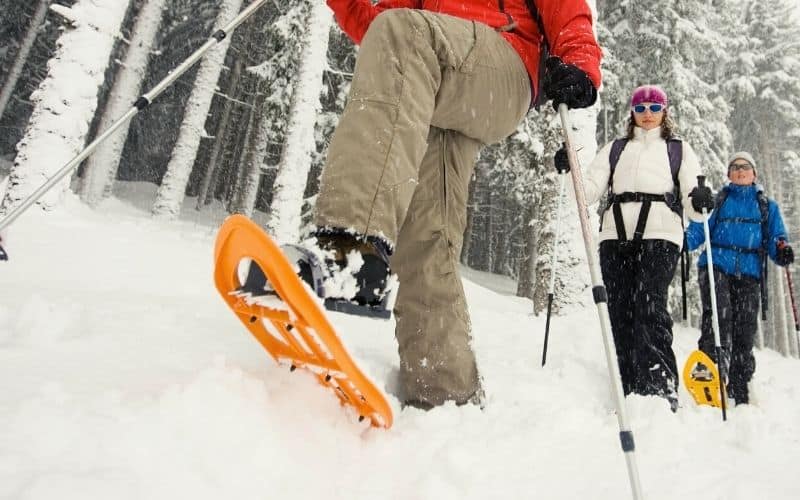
(613, 157)
(763, 207)
(544, 52)
(675, 153)
(722, 195)
(538, 18)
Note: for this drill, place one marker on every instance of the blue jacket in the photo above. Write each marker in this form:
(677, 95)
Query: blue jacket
(730, 238)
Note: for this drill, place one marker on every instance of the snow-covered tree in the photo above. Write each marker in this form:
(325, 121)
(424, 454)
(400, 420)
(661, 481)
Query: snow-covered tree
(173, 186)
(66, 100)
(300, 144)
(676, 45)
(10, 80)
(101, 167)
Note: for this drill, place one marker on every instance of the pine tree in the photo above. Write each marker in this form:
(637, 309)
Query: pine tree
(676, 45)
(10, 81)
(66, 100)
(173, 186)
(101, 168)
(295, 164)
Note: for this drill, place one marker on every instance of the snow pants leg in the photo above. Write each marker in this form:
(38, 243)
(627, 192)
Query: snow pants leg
(637, 277)
(737, 304)
(619, 277)
(433, 327)
(428, 91)
(415, 69)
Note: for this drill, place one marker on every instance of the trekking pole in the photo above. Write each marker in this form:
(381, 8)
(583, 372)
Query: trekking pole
(141, 103)
(601, 300)
(794, 308)
(721, 369)
(551, 291)
(684, 278)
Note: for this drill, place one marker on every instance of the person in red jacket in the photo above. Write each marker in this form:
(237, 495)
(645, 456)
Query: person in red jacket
(435, 80)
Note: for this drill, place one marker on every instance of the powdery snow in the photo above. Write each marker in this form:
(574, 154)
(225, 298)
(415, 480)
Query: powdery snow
(123, 375)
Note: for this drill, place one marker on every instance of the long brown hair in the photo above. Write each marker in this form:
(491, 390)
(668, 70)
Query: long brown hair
(667, 126)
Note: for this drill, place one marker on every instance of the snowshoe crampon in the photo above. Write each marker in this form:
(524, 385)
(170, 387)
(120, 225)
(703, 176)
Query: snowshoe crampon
(289, 321)
(701, 378)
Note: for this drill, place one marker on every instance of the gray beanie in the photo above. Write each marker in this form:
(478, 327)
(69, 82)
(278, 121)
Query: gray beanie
(742, 155)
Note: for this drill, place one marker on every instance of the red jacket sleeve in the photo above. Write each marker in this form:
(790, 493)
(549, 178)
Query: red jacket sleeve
(355, 16)
(568, 26)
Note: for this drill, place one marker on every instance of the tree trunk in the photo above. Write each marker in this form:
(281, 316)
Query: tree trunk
(546, 244)
(209, 179)
(527, 269)
(66, 100)
(243, 198)
(287, 202)
(22, 55)
(779, 301)
(173, 186)
(101, 167)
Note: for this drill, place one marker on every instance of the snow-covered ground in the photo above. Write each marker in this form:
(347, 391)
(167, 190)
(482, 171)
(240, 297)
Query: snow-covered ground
(123, 375)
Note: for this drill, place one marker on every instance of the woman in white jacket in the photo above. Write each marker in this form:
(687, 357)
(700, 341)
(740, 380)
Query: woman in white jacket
(648, 176)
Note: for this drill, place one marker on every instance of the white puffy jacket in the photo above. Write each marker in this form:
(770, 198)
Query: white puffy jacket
(644, 167)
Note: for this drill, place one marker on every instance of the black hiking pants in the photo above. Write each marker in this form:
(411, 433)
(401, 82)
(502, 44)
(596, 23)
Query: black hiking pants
(637, 275)
(737, 306)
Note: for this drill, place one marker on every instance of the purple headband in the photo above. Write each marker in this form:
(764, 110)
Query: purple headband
(649, 93)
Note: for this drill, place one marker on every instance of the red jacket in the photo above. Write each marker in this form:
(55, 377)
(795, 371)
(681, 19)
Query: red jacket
(567, 23)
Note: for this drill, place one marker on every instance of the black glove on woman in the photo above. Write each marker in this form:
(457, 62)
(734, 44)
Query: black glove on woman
(567, 84)
(561, 160)
(785, 254)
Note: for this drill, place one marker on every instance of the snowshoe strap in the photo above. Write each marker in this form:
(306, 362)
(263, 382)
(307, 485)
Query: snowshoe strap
(301, 255)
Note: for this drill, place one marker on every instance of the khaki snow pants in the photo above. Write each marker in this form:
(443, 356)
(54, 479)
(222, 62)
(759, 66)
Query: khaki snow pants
(429, 91)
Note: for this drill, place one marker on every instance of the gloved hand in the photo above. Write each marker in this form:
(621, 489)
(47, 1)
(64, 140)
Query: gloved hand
(785, 254)
(561, 160)
(702, 197)
(568, 84)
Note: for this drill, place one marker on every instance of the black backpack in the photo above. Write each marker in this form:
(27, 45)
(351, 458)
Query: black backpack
(763, 208)
(672, 200)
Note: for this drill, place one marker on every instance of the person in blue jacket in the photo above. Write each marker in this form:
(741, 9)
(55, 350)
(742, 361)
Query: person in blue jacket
(745, 227)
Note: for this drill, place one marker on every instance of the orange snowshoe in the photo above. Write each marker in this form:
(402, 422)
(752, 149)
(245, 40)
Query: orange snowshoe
(289, 321)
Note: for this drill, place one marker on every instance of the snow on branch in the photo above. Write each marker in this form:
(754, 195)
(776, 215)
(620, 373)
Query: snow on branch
(65, 12)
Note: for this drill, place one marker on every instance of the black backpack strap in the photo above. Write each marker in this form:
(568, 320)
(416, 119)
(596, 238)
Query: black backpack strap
(673, 201)
(544, 50)
(613, 158)
(511, 23)
(675, 154)
(641, 222)
(646, 199)
(536, 17)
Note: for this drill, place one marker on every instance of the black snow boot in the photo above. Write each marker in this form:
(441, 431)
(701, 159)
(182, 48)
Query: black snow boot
(351, 273)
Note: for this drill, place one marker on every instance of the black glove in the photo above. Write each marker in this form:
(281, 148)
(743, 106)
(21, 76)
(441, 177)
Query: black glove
(702, 197)
(785, 254)
(561, 160)
(567, 84)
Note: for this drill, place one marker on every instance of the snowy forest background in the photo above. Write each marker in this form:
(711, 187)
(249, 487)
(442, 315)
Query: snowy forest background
(246, 130)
